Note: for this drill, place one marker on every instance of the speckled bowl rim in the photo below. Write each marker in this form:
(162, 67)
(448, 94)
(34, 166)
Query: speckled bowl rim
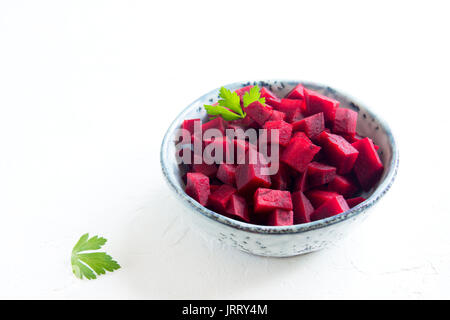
(377, 194)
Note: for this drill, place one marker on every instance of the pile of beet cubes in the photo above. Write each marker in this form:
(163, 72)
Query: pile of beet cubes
(324, 163)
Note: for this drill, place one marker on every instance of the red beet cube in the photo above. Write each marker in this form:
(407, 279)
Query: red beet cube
(280, 217)
(247, 122)
(207, 169)
(319, 174)
(237, 208)
(301, 183)
(357, 137)
(266, 200)
(273, 102)
(368, 166)
(200, 166)
(298, 115)
(257, 218)
(219, 144)
(302, 208)
(280, 180)
(345, 122)
(284, 131)
(318, 197)
(217, 123)
(299, 152)
(339, 152)
(197, 187)
(249, 178)
(315, 103)
(297, 93)
(241, 91)
(218, 200)
(343, 185)
(353, 202)
(213, 187)
(312, 125)
(227, 173)
(330, 208)
(258, 112)
(189, 125)
(235, 126)
(277, 115)
(267, 94)
(291, 107)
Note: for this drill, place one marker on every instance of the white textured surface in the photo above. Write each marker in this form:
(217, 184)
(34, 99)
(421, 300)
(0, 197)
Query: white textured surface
(87, 89)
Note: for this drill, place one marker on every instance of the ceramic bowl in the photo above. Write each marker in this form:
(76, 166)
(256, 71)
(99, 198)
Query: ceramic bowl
(290, 240)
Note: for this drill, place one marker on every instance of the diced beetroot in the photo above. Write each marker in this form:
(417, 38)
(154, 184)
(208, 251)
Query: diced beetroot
(237, 208)
(258, 112)
(353, 138)
(318, 197)
(213, 187)
(217, 123)
(240, 149)
(200, 166)
(280, 217)
(218, 200)
(284, 131)
(235, 126)
(301, 183)
(299, 152)
(280, 180)
(197, 187)
(249, 178)
(323, 161)
(368, 166)
(319, 174)
(291, 107)
(330, 208)
(247, 122)
(339, 152)
(189, 125)
(241, 91)
(315, 103)
(312, 125)
(252, 156)
(273, 102)
(353, 202)
(298, 115)
(345, 122)
(277, 115)
(267, 94)
(266, 200)
(302, 208)
(227, 173)
(357, 137)
(343, 185)
(207, 169)
(223, 144)
(297, 93)
(257, 218)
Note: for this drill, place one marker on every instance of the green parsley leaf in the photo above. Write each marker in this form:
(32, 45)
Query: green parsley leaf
(223, 112)
(229, 106)
(85, 264)
(251, 96)
(230, 100)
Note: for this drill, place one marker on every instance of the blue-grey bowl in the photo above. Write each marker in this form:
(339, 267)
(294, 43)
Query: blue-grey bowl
(289, 240)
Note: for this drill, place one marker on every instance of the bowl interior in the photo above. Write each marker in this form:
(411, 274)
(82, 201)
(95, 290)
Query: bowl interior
(369, 125)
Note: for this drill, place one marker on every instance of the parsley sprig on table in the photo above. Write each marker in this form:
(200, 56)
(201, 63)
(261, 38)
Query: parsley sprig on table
(229, 107)
(88, 264)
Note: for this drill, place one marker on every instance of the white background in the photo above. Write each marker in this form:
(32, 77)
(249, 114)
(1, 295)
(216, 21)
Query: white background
(88, 88)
